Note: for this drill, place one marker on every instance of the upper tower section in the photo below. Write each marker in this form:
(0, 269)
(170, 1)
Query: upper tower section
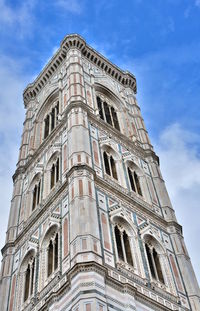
(106, 91)
(75, 41)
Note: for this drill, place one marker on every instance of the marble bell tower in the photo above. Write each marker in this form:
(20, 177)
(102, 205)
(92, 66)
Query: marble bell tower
(91, 226)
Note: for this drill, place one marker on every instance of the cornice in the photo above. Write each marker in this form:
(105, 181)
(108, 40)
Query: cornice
(125, 78)
(109, 281)
(139, 205)
(134, 147)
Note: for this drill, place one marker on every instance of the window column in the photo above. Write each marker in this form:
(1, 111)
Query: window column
(38, 193)
(156, 258)
(123, 247)
(106, 163)
(53, 259)
(34, 197)
(126, 240)
(27, 283)
(57, 171)
(150, 261)
(52, 176)
(119, 243)
(154, 265)
(29, 279)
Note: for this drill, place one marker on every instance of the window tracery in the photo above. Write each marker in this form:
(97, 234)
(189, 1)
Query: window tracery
(51, 120)
(107, 113)
(154, 263)
(49, 255)
(52, 263)
(29, 279)
(134, 181)
(26, 280)
(36, 195)
(123, 245)
(54, 175)
(109, 164)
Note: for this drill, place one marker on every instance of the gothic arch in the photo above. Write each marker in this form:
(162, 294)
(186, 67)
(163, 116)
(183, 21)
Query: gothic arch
(33, 194)
(154, 252)
(52, 157)
(158, 263)
(50, 103)
(135, 177)
(125, 223)
(30, 253)
(52, 172)
(109, 147)
(110, 108)
(26, 279)
(126, 243)
(108, 92)
(112, 163)
(53, 96)
(46, 234)
(34, 179)
(153, 240)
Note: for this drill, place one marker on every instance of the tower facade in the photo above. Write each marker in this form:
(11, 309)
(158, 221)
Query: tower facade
(91, 226)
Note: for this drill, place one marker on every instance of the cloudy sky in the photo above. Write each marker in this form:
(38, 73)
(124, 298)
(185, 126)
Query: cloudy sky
(156, 40)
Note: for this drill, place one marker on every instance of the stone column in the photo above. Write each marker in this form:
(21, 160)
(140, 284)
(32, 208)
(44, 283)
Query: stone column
(84, 226)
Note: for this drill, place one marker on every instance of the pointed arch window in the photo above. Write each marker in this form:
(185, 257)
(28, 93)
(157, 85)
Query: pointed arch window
(154, 263)
(109, 164)
(107, 113)
(36, 195)
(51, 120)
(123, 245)
(52, 251)
(134, 181)
(29, 279)
(54, 173)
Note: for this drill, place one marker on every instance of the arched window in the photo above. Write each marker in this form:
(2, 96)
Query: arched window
(54, 173)
(134, 181)
(109, 164)
(49, 256)
(51, 120)
(29, 279)
(26, 280)
(107, 113)
(154, 263)
(52, 263)
(123, 245)
(36, 195)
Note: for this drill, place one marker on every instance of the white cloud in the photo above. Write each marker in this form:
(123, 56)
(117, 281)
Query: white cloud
(53, 51)
(180, 165)
(19, 18)
(12, 83)
(197, 3)
(72, 6)
(103, 49)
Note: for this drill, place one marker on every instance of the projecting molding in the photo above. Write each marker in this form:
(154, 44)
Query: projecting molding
(125, 78)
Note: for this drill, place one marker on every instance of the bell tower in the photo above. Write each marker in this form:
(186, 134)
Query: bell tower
(91, 225)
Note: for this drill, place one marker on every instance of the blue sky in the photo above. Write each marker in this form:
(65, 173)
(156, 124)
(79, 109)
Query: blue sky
(156, 40)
